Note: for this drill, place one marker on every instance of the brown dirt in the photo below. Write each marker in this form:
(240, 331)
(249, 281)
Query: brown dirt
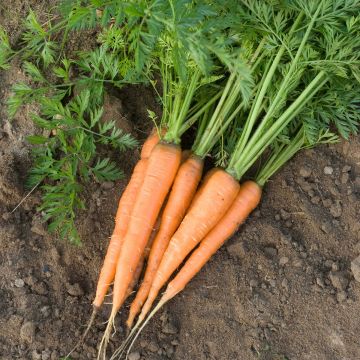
(280, 289)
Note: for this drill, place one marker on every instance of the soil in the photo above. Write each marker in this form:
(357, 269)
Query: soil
(281, 288)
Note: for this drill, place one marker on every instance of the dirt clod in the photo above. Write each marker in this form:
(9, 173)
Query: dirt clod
(74, 289)
(134, 356)
(338, 280)
(305, 172)
(169, 328)
(27, 332)
(355, 268)
(237, 250)
(270, 252)
(283, 260)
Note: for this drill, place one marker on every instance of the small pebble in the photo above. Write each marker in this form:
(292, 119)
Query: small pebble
(345, 178)
(328, 263)
(270, 252)
(107, 185)
(298, 263)
(328, 170)
(327, 203)
(346, 168)
(326, 228)
(341, 296)
(74, 289)
(315, 200)
(285, 284)
(284, 214)
(320, 282)
(35, 355)
(169, 328)
(336, 210)
(134, 356)
(253, 283)
(27, 332)
(237, 250)
(288, 224)
(283, 260)
(45, 355)
(305, 172)
(355, 268)
(338, 280)
(19, 283)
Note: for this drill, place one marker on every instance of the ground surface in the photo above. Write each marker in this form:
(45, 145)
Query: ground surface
(282, 288)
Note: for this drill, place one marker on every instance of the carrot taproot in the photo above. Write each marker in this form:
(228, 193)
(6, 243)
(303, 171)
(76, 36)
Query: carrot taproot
(163, 165)
(246, 201)
(182, 192)
(122, 217)
(215, 199)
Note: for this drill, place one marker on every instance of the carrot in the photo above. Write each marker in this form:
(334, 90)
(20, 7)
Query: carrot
(216, 197)
(183, 190)
(160, 173)
(122, 217)
(246, 201)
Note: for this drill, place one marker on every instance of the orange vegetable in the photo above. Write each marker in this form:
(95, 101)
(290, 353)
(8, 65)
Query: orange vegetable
(163, 165)
(246, 201)
(210, 206)
(122, 217)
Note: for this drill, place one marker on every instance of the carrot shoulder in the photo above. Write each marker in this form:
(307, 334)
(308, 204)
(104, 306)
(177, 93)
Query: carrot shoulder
(182, 192)
(210, 206)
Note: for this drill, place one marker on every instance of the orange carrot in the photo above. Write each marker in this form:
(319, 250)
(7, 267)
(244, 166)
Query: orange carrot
(182, 192)
(163, 164)
(246, 201)
(215, 199)
(122, 217)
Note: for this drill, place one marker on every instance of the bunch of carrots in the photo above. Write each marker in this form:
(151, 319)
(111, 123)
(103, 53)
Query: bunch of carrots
(291, 82)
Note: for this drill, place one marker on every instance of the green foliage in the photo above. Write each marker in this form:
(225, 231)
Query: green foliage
(38, 41)
(308, 78)
(5, 50)
(66, 157)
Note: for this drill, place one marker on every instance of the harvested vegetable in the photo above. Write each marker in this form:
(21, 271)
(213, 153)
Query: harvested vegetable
(311, 62)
